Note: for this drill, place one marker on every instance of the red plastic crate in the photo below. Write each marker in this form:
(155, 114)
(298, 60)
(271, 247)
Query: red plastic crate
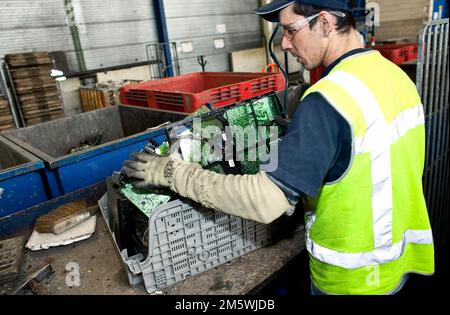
(188, 92)
(398, 53)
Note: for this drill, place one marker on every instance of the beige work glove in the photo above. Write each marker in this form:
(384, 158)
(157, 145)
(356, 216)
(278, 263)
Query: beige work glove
(147, 169)
(253, 197)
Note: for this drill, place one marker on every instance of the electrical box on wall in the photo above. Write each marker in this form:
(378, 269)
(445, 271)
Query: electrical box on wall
(187, 47)
(219, 43)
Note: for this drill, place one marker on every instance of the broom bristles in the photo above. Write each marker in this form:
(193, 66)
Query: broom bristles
(45, 222)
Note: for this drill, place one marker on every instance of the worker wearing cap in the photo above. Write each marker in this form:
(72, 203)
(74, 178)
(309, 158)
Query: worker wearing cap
(353, 154)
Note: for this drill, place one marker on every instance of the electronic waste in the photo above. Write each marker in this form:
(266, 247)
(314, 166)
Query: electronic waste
(162, 237)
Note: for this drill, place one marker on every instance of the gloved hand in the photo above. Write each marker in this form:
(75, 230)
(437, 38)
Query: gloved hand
(147, 169)
(253, 197)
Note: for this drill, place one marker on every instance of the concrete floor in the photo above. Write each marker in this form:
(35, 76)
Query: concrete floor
(100, 271)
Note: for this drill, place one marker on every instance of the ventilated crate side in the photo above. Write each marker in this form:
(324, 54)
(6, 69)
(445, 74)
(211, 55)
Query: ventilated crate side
(188, 92)
(185, 240)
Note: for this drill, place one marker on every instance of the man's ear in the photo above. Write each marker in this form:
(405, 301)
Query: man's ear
(326, 23)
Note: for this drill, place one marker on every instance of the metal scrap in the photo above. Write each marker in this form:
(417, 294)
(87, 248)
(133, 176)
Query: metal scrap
(10, 257)
(145, 199)
(33, 281)
(90, 142)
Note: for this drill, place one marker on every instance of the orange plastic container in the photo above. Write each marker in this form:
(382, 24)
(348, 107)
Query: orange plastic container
(186, 93)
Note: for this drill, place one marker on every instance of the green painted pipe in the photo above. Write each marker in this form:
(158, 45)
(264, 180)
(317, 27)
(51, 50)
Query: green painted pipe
(75, 37)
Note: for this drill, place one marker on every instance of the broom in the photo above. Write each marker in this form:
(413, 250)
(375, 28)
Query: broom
(65, 217)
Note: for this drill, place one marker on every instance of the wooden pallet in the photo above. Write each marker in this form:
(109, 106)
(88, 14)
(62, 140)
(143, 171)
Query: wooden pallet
(3, 102)
(7, 127)
(44, 118)
(5, 111)
(95, 98)
(42, 105)
(37, 92)
(39, 96)
(38, 114)
(28, 59)
(30, 72)
(34, 88)
(34, 81)
(6, 118)
(7, 123)
(92, 99)
(39, 120)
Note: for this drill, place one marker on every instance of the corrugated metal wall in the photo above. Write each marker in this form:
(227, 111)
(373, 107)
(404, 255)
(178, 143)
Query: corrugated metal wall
(401, 19)
(111, 32)
(33, 25)
(199, 21)
(115, 32)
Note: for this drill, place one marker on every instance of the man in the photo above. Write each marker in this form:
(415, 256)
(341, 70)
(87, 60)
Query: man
(354, 153)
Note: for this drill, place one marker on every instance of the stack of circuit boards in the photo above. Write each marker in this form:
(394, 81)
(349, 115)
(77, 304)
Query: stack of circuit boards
(254, 117)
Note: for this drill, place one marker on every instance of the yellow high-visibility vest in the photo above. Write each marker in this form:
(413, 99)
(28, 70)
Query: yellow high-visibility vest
(368, 228)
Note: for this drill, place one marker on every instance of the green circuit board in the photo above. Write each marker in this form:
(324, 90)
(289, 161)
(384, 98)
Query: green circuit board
(145, 199)
(240, 119)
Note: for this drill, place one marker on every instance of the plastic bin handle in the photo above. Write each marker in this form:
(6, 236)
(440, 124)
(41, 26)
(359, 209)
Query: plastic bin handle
(272, 67)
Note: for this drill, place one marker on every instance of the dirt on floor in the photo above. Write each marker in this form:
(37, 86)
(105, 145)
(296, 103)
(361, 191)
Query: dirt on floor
(87, 267)
(93, 267)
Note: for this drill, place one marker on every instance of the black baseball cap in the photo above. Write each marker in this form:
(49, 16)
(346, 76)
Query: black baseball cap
(271, 10)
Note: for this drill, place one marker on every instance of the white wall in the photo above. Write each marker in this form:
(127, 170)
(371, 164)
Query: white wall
(135, 73)
(401, 19)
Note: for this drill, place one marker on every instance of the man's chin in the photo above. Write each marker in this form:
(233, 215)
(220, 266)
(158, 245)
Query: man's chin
(309, 67)
(303, 63)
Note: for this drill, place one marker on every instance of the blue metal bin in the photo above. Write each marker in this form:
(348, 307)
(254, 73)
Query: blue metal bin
(22, 222)
(22, 179)
(124, 131)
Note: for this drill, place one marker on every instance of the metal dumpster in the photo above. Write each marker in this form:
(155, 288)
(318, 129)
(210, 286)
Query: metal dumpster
(123, 128)
(22, 222)
(22, 179)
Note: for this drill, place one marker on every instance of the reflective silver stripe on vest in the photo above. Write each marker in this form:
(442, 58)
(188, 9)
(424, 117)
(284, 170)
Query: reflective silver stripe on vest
(377, 141)
(406, 120)
(378, 256)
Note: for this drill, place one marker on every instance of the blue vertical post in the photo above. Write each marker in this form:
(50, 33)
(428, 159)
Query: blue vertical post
(163, 36)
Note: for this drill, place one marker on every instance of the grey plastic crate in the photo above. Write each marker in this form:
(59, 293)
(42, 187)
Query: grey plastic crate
(185, 241)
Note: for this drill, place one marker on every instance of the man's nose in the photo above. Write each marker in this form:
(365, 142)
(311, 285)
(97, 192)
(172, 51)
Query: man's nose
(285, 44)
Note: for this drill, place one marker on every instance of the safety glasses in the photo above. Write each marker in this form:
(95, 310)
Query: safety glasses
(291, 29)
